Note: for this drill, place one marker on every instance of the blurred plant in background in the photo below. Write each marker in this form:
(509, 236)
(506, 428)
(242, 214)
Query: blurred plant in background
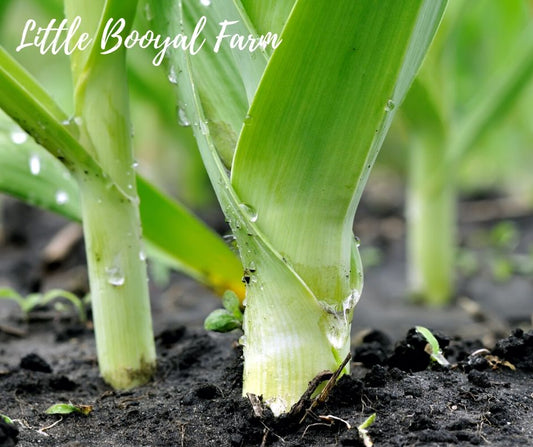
(467, 127)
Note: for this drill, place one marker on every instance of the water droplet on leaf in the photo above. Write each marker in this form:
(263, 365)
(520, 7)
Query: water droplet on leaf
(249, 211)
(61, 197)
(204, 128)
(205, 2)
(183, 120)
(349, 303)
(115, 277)
(172, 76)
(73, 125)
(390, 105)
(35, 164)
(148, 12)
(18, 136)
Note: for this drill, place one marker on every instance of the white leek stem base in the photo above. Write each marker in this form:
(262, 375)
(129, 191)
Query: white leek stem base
(119, 289)
(289, 339)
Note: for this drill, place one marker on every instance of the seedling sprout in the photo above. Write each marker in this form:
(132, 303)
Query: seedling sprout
(33, 300)
(227, 319)
(69, 408)
(433, 347)
(363, 430)
(6, 419)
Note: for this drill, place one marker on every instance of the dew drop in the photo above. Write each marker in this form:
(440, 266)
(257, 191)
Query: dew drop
(204, 128)
(35, 164)
(336, 331)
(135, 164)
(61, 197)
(349, 303)
(148, 12)
(249, 211)
(142, 255)
(115, 277)
(251, 266)
(183, 120)
(229, 238)
(18, 136)
(231, 242)
(73, 125)
(357, 241)
(172, 75)
(248, 119)
(390, 105)
(205, 2)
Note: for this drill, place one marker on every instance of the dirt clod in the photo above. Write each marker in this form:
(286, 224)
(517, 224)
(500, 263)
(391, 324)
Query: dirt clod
(34, 362)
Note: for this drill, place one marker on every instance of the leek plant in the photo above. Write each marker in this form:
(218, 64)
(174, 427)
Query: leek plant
(298, 127)
(479, 66)
(83, 167)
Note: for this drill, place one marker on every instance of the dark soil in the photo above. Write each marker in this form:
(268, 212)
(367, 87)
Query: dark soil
(484, 397)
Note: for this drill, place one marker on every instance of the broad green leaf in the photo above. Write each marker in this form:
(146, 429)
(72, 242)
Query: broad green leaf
(225, 80)
(31, 174)
(269, 15)
(187, 242)
(303, 158)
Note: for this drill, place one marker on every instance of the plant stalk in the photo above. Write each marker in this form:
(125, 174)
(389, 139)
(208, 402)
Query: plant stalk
(119, 291)
(289, 334)
(431, 216)
(110, 204)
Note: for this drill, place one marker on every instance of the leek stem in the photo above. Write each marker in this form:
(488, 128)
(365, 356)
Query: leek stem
(119, 291)
(289, 335)
(110, 204)
(431, 216)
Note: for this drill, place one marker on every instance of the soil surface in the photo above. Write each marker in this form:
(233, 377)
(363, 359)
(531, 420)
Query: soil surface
(485, 396)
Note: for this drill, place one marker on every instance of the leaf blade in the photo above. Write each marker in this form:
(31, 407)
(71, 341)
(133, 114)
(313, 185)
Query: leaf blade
(283, 154)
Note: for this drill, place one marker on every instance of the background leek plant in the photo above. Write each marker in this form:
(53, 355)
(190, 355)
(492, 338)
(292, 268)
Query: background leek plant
(477, 71)
(299, 129)
(83, 167)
